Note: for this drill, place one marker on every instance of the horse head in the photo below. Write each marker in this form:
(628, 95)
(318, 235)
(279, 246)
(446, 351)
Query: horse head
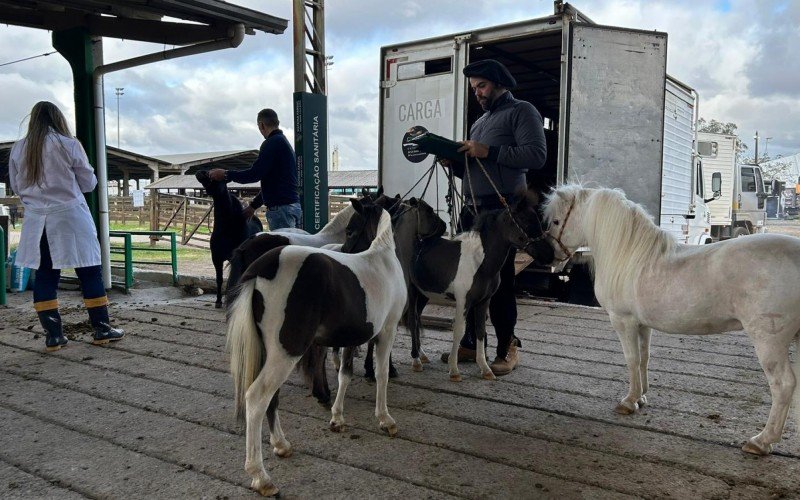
(522, 227)
(215, 189)
(428, 222)
(563, 213)
(363, 225)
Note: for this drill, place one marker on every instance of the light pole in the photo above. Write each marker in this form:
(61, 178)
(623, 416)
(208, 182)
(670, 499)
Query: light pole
(756, 139)
(766, 147)
(328, 63)
(119, 92)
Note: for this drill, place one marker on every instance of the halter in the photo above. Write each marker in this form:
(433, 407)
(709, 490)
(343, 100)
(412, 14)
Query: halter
(530, 241)
(561, 245)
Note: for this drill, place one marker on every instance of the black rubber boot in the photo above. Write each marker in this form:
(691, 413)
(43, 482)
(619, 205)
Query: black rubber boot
(103, 332)
(51, 322)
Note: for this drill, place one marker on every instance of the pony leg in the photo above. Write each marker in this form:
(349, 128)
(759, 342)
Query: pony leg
(218, 269)
(772, 350)
(479, 312)
(281, 447)
(337, 361)
(383, 345)
(628, 332)
(369, 363)
(345, 373)
(416, 302)
(644, 359)
(458, 333)
(422, 301)
(258, 397)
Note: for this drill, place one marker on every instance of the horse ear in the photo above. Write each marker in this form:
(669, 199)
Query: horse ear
(412, 201)
(364, 192)
(357, 205)
(380, 192)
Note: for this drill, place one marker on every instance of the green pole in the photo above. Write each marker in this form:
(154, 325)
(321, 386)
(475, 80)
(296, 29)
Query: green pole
(76, 46)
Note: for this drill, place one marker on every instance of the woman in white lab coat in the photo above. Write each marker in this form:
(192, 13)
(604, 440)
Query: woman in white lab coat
(49, 171)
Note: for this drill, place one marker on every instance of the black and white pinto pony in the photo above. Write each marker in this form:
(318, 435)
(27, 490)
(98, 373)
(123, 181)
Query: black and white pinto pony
(646, 280)
(295, 296)
(332, 234)
(231, 227)
(465, 269)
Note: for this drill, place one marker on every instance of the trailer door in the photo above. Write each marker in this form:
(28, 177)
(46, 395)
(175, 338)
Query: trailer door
(419, 88)
(616, 111)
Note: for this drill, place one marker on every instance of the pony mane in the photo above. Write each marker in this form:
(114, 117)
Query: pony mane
(623, 238)
(339, 223)
(384, 237)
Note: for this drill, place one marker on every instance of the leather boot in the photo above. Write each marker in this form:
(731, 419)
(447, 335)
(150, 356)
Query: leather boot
(51, 322)
(504, 366)
(464, 354)
(103, 332)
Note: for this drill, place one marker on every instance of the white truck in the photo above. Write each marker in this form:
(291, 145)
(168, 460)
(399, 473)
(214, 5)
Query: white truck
(601, 91)
(684, 212)
(738, 205)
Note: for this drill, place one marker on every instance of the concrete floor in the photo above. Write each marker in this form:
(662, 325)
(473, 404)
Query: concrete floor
(151, 416)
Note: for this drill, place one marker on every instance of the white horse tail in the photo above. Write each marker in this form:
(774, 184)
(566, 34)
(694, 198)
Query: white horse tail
(796, 367)
(244, 344)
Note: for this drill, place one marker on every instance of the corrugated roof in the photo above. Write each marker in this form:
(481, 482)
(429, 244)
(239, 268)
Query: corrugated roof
(336, 180)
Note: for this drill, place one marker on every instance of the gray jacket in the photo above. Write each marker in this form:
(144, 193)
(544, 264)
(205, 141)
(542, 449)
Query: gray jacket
(514, 132)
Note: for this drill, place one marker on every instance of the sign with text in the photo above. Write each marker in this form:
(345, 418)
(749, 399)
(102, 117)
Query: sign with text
(138, 198)
(311, 148)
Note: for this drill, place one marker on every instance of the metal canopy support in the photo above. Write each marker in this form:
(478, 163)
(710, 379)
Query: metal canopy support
(311, 111)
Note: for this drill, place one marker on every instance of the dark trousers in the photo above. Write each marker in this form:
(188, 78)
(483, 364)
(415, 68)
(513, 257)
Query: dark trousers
(45, 288)
(503, 304)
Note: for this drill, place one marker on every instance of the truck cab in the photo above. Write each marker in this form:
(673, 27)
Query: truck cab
(738, 201)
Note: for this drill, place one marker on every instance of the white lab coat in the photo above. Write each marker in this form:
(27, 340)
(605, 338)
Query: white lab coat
(57, 206)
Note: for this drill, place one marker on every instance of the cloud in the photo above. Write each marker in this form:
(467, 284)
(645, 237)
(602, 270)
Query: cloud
(739, 55)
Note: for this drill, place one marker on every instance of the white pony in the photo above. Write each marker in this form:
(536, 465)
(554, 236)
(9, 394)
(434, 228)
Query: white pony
(645, 280)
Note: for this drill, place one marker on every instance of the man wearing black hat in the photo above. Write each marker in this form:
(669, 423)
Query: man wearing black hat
(509, 140)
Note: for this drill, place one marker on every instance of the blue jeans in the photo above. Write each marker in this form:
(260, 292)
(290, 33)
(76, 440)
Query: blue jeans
(283, 216)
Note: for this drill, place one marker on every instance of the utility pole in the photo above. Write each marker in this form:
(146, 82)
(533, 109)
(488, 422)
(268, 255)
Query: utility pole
(118, 92)
(756, 139)
(311, 110)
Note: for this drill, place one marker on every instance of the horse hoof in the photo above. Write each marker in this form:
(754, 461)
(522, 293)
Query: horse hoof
(488, 375)
(624, 409)
(455, 377)
(268, 490)
(642, 401)
(391, 430)
(416, 366)
(218, 305)
(337, 427)
(424, 358)
(753, 448)
(393, 372)
(282, 452)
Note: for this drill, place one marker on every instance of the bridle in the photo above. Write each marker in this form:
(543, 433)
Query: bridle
(561, 245)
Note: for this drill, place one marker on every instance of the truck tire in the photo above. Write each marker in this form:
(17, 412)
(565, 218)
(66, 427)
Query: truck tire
(740, 231)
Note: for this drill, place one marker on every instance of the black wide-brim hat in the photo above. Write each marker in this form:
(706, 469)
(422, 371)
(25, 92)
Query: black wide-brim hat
(492, 70)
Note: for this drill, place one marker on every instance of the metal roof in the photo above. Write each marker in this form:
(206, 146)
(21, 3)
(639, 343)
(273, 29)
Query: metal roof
(140, 19)
(138, 166)
(229, 160)
(336, 180)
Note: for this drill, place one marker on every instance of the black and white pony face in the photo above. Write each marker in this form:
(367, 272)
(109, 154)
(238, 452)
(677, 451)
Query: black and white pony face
(363, 226)
(525, 231)
(429, 224)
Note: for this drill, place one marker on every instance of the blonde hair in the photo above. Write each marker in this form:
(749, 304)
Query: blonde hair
(44, 117)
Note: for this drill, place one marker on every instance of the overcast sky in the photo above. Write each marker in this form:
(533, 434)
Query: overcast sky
(741, 56)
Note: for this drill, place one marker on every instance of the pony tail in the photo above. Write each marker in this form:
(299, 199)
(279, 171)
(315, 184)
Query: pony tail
(796, 370)
(244, 344)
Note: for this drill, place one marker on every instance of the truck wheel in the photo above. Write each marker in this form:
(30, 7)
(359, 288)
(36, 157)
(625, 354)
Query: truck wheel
(740, 231)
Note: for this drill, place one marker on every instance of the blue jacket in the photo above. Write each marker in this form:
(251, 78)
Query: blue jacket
(276, 168)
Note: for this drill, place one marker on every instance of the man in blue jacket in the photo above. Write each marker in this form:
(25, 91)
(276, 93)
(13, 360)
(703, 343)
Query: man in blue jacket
(276, 168)
(509, 140)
